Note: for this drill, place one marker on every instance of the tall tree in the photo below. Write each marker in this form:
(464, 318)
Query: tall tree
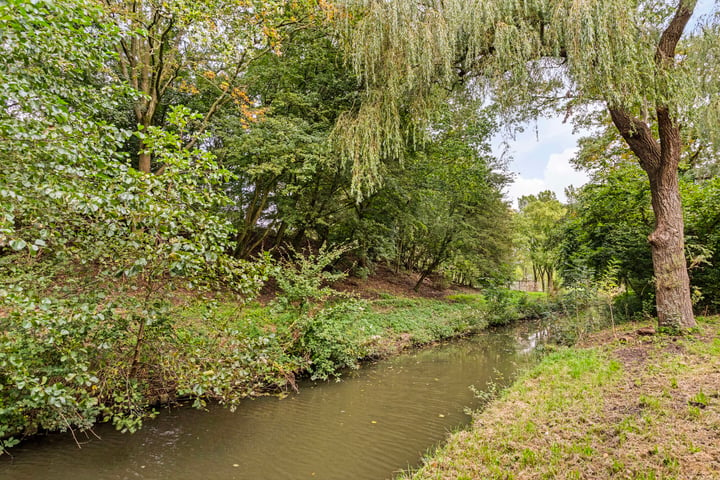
(537, 225)
(182, 47)
(622, 54)
(289, 186)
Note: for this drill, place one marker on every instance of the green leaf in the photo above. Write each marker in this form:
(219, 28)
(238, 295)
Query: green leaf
(18, 244)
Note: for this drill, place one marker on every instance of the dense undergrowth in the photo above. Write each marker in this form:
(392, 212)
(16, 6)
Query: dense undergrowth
(69, 363)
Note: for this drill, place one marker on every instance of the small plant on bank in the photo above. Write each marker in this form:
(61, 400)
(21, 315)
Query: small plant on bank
(334, 338)
(304, 280)
(699, 400)
(323, 325)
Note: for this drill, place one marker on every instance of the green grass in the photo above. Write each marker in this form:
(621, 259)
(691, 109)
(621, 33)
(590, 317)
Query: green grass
(423, 319)
(477, 299)
(639, 408)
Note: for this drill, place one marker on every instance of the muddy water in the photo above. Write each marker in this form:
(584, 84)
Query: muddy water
(375, 422)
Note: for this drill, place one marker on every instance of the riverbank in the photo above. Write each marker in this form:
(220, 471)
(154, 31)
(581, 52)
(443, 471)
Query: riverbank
(205, 349)
(372, 423)
(619, 405)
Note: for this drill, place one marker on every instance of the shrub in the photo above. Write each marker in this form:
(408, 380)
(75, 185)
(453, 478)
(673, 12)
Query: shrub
(333, 338)
(303, 280)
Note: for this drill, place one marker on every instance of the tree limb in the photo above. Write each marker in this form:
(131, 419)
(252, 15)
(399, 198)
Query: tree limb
(638, 136)
(671, 36)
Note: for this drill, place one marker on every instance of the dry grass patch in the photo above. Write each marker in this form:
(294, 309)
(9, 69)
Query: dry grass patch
(620, 406)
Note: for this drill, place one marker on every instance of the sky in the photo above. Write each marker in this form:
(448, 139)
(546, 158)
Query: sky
(540, 158)
(541, 154)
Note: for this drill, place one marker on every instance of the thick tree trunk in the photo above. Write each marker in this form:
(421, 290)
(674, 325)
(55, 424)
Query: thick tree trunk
(660, 161)
(672, 284)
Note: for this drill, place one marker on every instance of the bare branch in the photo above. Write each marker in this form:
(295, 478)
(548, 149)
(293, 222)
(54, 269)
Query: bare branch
(638, 136)
(671, 36)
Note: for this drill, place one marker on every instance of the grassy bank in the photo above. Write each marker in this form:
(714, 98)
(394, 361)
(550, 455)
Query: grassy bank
(621, 405)
(75, 372)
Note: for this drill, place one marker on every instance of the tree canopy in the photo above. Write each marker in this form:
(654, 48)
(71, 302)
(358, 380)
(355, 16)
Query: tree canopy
(533, 54)
(633, 57)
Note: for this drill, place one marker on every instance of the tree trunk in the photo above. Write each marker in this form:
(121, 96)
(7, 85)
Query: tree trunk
(672, 284)
(660, 161)
(144, 161)
(422, 278)
(550, 284)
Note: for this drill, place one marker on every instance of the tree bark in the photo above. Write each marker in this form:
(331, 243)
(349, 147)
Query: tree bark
(672, 284)
(144, 161)
(660, 161)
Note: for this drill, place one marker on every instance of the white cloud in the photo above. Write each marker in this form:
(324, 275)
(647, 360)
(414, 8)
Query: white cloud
(558, 174)
(524, 186)
(536, 134)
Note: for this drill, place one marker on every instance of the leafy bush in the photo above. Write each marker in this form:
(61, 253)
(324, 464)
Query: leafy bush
(629, 306)
(89, 254)
(55, 354)
(504, 306)
(304, 280)
(225, 364)
(501, 306)
(333, 338)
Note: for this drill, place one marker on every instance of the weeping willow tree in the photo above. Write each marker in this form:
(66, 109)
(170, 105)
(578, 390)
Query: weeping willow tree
(636, 58)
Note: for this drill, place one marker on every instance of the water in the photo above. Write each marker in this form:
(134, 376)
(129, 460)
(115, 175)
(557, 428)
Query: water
(376, 422)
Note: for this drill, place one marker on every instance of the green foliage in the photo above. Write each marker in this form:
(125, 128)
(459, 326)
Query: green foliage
(47, 379)
(304, 280)
(79, 353)
(537, 229)
(608, 223)
(90, 250)
(93, 253)
(471, 299)
(196, 55)
(53, 148)
(702, 201)
(427, 320)
(287, 178)
(609, 219)
(226, 361)
(449, 212)
(527, 53)
(441, 211)
(334, 338)
(504, 306)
